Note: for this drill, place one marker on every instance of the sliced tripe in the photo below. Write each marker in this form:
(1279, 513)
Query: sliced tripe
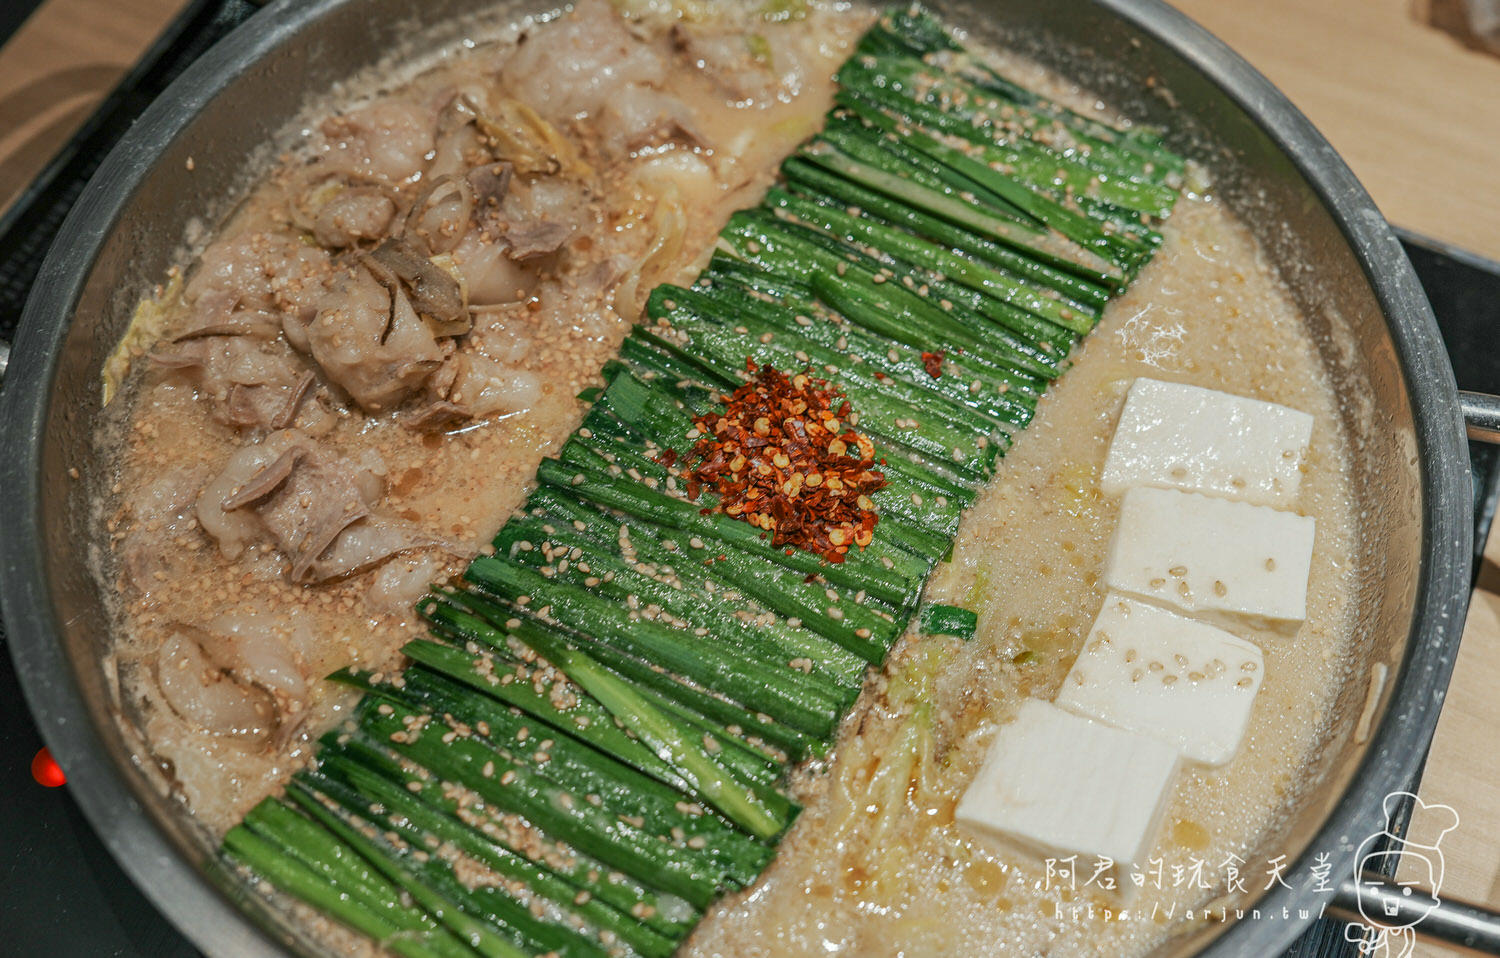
(1056, 784)
(1145, 669)
(1176, 436)
(1212, 556)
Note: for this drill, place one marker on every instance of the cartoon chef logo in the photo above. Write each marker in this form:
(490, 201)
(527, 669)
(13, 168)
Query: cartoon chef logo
(1389, 920)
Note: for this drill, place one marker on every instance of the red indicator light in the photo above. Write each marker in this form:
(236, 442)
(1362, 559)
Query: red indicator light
(46, 771)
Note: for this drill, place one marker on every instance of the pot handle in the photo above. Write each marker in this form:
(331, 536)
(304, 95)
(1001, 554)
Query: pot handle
(1417, 910)
(1482, 414)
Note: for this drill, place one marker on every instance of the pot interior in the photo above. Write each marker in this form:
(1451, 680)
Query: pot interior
(249, 92)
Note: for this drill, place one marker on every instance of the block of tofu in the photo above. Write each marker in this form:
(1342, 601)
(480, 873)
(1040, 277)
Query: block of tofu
(1055, 784)
(1147, 670)
(1212, 556)
(1175, 436)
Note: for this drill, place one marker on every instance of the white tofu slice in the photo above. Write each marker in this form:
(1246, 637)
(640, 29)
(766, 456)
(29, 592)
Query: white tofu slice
(1055, 784)
(1175, 436)
(1212, 556)
(1147, 670)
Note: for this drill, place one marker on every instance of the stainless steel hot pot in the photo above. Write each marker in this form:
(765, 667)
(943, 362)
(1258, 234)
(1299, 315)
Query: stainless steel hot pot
(1332, 247)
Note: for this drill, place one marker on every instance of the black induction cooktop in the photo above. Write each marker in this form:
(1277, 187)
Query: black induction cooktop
(61, 895)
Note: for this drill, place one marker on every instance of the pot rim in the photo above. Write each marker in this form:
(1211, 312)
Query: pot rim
(207, 916)
(1398, 745)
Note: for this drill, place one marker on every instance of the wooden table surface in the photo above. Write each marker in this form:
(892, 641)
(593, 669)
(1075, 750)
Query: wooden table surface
(1416, 115)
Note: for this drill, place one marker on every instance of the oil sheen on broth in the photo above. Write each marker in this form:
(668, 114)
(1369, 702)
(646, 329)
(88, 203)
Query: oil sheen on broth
(875, 864)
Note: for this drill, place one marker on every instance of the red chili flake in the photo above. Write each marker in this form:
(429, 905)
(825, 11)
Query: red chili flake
(933, 363)
(668, 458)
(782, 458)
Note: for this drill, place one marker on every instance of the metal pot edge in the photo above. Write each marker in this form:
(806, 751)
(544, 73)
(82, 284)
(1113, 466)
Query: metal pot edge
(208, 916)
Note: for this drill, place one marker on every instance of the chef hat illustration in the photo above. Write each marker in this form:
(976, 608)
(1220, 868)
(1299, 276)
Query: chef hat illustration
(1436, 818)
(1422, 858)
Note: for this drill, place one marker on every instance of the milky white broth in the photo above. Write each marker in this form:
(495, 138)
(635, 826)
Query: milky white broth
(1029, 556)
(458, 487)
(1029, 559)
